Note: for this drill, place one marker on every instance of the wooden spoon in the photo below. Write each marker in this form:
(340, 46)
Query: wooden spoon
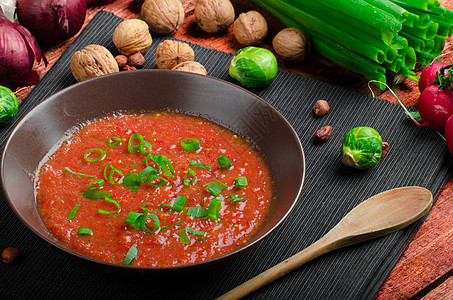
(381, 214)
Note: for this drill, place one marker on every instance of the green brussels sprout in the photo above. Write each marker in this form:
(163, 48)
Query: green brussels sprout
(8, 105)
(362, 148)
(254, 67)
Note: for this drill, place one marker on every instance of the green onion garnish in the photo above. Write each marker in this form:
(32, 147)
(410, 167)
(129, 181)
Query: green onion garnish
(133, 218)
(171, 225)
(235, 199)
(224, 162)
(94, 185)
(197, 212)
(114, 141)
(130, 255)
(165, 207)
(132, 140)
(102, 211)
(215, 187)
(84, 231)
(112, 174)
(165, 164)
(101, 155)
(67, 170)
(73, 211)
(194, 163)
(143, 205)
(241, 182)
(144, 175)
(153, 158)
(156, 223)
(195, 231)
(189, 173)
(130, 181)
(182, 234)
(156, 180)
(95, 194)
(179, 203)
(214, 208)
(190, 144)
(144, 148)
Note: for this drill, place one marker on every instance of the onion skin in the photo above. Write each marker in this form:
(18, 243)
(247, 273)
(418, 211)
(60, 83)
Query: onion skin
(428, 75)
(435, 107)
(449, 134)
(52, 21)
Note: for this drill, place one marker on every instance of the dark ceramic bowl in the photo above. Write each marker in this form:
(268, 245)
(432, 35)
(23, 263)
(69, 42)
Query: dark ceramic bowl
(150, 90)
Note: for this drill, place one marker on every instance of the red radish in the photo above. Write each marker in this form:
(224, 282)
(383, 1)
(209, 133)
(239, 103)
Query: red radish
(449, 134)
(428, 75)
(435, 107)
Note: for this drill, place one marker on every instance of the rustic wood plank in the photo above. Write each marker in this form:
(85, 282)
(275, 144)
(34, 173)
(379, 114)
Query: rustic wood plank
(443, 291)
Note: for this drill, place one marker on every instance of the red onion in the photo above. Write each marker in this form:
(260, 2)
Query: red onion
(18, 51)
(98, 2)
(449, 134)
(52, 21)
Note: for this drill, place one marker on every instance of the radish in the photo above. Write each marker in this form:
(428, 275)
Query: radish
(449, 134)
(435, 106)
(429, 74)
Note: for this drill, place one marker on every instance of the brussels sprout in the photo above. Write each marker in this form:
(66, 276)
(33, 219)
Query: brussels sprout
(362, 148)
(8, 105)
(254, 67)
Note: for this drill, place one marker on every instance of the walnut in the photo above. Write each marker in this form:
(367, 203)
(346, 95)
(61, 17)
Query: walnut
(132, 36)
(292, 44)
(169, 53)
(191, 66)
(162, 16)
(92, 61)
(250, 28)
(213, 15)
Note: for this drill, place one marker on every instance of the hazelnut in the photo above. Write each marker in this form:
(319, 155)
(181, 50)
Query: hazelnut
(129, 68)
(169, 53)
(191, 66)
(323, 134)
(136, 60)
(92, 61)
(213, 15)
(162, 16)
(132, 36)
(321, 108)
(292, 44)
(121, 60)
(10, 255)
(385, 149)
(250, 28)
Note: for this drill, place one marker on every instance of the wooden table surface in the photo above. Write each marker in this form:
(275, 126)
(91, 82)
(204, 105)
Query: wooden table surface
(425, 268)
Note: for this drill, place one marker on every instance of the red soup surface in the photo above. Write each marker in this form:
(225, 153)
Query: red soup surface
(138, 190)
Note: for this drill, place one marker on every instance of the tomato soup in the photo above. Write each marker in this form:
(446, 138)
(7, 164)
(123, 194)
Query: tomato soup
(153, 190)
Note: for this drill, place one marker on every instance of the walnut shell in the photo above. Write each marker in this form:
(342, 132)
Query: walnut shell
(92, 61)
(292, 44)
(191, 66)
(250, 28)
(162, 16)
(213, 15)
(169, 53)
(132, 36)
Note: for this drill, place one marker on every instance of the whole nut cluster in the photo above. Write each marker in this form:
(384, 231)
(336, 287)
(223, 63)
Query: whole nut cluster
(250, 28)
(321, 108)
(10, 255)
(170, 53)
(323, 134)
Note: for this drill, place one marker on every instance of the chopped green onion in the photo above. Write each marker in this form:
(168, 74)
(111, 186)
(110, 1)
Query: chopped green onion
(214, 208)
(144, 175)
(133, 218)
(182, 234)
(165, 207)
(95, 194)
(179, 203)
(143, 205)
(111, 176)
(136, 136)
(190, 172)
(165, 164)
(235, 199)
(194, 163)
(84, 231)
(156, 223)
(73, 211)
(171, 225)
(190, 144)
(130, 255)
(195, 231)
(94, 185)
(156, 180)
(215, 187)
(153, 158)
(241, 182)
(67, 170)
(144, 148)
(224, 162)
(197, 212)
(94, 150)
(130, 181)
(114, 141)
(102, 211)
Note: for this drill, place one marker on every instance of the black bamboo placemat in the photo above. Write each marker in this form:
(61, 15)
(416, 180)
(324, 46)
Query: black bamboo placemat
(416, 157)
